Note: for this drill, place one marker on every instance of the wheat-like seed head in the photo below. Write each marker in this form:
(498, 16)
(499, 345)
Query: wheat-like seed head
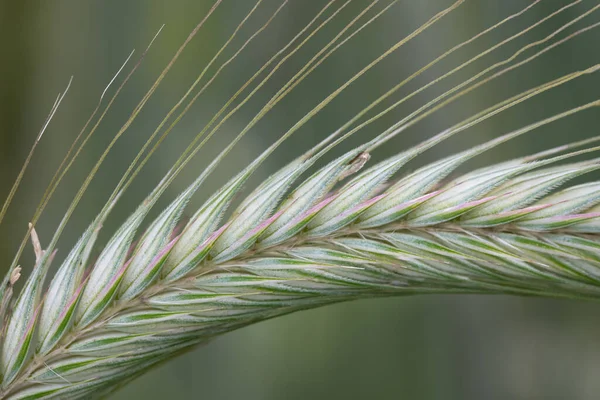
(306, 236)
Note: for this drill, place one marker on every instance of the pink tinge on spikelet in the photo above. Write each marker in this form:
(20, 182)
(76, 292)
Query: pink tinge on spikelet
(213, 236)
(256, 230)
(474, 203)
(405, 206)
(72, 300)
(162, 253)
(538, 207)
(418, 200)
(314, 209)
(263, 225)
(526, 210)
(575, 217)
(115, 278)
(362, 206)
(31, 323)
(199, 253)
(179, 228)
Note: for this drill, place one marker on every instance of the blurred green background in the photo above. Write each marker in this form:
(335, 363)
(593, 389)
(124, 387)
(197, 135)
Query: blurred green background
(436, 347)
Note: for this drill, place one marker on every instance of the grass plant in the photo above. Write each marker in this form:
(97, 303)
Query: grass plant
(315, 232)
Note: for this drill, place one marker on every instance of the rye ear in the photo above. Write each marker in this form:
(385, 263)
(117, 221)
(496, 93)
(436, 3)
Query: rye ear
(327, 227)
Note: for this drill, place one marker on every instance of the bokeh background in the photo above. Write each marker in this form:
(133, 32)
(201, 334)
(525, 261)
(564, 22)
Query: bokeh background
(426, 347)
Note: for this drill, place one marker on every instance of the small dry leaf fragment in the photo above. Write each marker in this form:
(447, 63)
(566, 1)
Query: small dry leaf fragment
(15, 275)
(356, 164)
(35, 241)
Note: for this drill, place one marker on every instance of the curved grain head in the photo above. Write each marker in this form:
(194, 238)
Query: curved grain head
(331, 225)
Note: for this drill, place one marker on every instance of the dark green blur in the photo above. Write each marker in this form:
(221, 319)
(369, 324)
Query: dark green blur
(436, 347)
